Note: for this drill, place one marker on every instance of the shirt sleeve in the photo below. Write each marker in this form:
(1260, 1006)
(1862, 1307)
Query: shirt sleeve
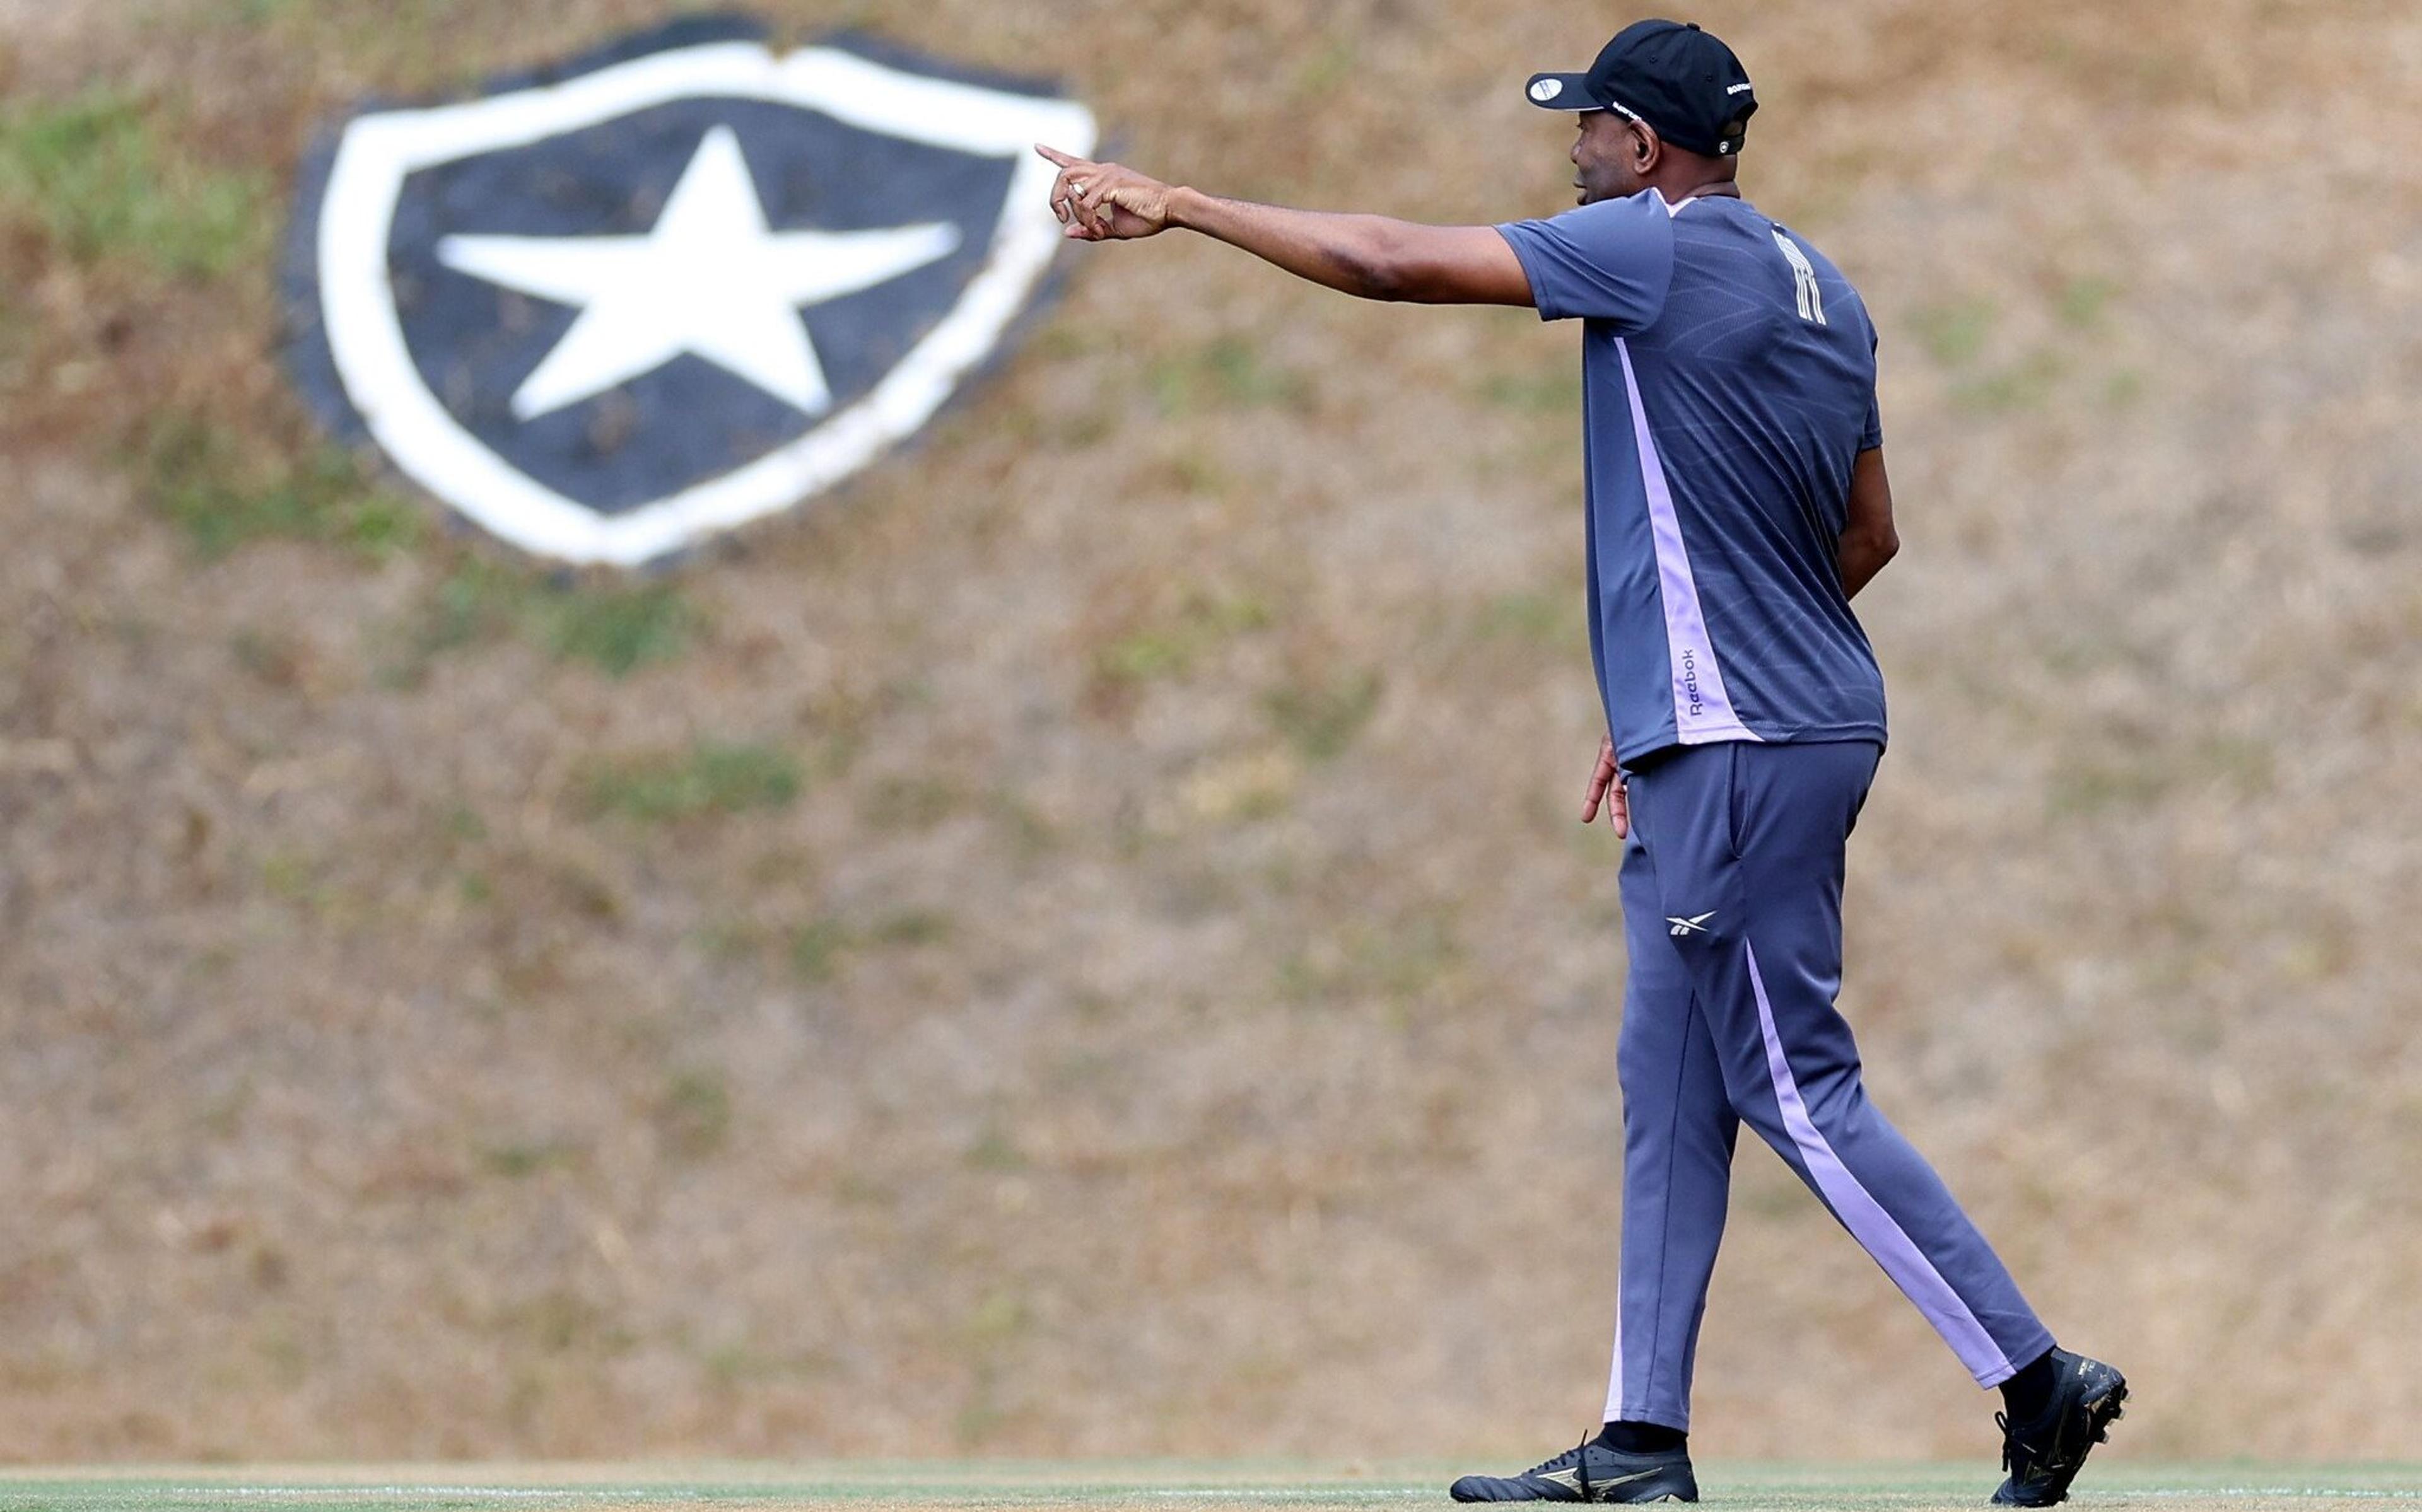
(1871, 435)
(1612, 260)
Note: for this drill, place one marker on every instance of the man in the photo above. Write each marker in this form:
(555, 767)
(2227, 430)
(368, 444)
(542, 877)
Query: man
(1736, 500)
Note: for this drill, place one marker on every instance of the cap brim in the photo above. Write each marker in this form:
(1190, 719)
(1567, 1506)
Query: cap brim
(1561, 91)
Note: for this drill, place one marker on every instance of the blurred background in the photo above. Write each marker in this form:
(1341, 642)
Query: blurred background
(1077, 942)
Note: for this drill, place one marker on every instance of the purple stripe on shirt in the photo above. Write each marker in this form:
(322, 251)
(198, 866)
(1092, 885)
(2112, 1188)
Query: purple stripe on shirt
(1703, 711)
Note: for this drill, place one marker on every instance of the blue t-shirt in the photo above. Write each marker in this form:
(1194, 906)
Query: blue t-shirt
(1728, 381)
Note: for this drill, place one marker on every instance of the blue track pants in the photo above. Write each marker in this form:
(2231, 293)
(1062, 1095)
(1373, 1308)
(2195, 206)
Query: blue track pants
(1732, 905)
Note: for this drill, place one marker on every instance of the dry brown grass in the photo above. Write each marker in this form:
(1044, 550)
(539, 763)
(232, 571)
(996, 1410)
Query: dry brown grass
(1175, 1011)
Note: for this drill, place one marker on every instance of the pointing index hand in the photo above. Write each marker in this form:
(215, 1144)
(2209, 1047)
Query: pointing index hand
(1103, 201)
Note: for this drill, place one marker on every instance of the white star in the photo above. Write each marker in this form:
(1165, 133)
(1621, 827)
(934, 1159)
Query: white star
(709, 279)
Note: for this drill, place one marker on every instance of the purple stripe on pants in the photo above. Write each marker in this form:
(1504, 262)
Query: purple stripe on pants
(1866, 1218)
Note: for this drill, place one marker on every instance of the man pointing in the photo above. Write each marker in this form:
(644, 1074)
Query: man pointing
(1737, 501)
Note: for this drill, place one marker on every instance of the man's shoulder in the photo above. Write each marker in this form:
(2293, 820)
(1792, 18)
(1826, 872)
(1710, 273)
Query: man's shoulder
(1627, 217)
(1611, 260)
(1731, 225)
(1767, 225)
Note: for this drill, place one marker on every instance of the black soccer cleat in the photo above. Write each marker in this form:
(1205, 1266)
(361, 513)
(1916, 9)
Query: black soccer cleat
(2043, 1457)
(1589, 1471)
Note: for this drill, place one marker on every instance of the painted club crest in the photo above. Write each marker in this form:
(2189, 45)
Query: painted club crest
(655, 294)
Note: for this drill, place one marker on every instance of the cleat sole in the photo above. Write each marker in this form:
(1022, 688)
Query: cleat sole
(2109, 1408)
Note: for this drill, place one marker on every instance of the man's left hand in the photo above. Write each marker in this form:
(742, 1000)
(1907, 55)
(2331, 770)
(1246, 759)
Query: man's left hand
(1606, 786)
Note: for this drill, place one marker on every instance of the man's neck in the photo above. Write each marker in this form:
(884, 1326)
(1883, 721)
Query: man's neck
(1709, 189)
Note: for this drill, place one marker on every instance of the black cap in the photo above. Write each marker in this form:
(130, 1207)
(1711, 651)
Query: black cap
(1678, 79)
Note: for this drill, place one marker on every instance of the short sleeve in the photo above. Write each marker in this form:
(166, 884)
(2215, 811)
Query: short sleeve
(1871, 435)
(1612, 260)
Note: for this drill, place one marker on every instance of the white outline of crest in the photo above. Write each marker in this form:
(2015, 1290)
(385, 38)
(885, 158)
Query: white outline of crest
(379, 150)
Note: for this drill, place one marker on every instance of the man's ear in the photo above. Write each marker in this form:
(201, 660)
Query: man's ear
(1645, 147)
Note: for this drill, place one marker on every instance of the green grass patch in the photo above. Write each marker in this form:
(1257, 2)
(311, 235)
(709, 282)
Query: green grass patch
(517, 1158)
(1557, 392)
(819, 947)
(693, 1116)
(224, 495)
(995, 1149)
(816, 949)
(1557, 621)
(476, 600)
(912, 928)
(1029, 831)
(1146, 655)
(293, 878)
(2022, 385)
(1321, 72)
(1398, 960)
(1955, 333)
(1170, 648)
(2082, 786)
(97, 174)
(1226, 373)
(1322, 720)
(260, 12)
(909, 803)
(2083, 301)
(616, 627)
(710, 778)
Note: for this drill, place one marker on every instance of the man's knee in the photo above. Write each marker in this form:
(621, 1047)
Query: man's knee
(1753, 1101)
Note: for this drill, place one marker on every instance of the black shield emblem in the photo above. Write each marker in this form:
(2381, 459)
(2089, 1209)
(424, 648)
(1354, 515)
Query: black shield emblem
(655, 294)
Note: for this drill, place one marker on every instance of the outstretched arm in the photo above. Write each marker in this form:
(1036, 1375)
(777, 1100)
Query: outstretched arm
(1368, 256)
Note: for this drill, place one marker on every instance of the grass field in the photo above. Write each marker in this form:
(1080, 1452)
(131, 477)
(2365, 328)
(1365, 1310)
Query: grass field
(2236, 1487)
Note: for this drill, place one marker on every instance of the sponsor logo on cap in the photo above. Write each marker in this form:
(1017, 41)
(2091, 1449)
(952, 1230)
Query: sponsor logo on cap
(674, 289)
(1546, 89)
(1736, 88)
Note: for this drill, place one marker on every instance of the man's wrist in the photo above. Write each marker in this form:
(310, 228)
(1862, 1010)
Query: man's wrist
(1185, 207)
